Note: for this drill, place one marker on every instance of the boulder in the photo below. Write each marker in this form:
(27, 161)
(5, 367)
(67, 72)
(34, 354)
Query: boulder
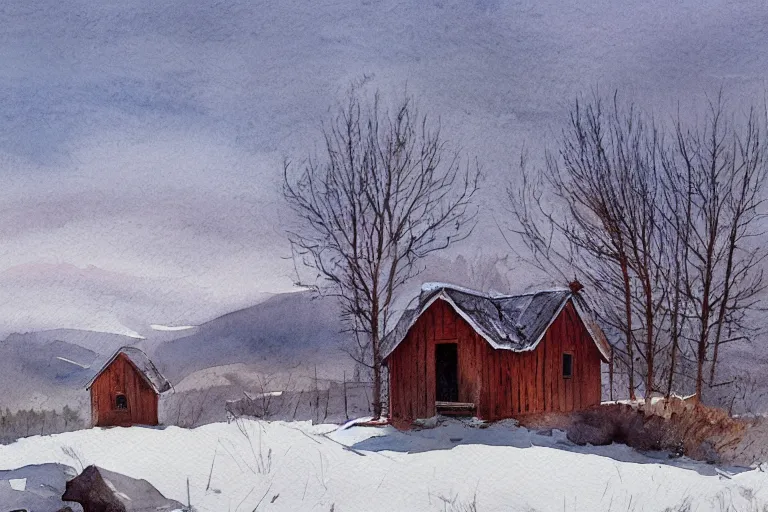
(707, 452)
(597, 435)
(99, 490)
(427, 423)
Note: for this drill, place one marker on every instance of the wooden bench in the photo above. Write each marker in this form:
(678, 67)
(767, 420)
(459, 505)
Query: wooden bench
(455, 408)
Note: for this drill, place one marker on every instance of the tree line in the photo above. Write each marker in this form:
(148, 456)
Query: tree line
(662, 219)
(23, 423)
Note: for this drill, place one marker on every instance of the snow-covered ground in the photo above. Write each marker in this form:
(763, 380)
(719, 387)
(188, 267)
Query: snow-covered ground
(280, 466)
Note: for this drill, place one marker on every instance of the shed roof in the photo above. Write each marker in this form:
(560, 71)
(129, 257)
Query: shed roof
(143, 364)
(507, 322)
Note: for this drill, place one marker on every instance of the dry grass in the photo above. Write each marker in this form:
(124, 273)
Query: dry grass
(700, 432)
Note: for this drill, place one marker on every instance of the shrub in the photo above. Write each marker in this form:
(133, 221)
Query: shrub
(700, 432)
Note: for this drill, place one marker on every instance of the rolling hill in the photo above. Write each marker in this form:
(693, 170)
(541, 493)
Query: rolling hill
(287, 334)
(48, 369)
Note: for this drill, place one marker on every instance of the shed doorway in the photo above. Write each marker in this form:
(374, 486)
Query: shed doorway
(447, 372)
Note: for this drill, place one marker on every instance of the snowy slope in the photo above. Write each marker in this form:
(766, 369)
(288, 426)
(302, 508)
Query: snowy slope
(294, 467)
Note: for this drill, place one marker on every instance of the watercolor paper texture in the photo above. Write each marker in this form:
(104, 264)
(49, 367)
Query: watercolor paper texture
(208, 246)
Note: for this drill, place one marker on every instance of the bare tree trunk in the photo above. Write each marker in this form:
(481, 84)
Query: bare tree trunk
(722, 310)
(650, 345)
(377, 391)
(674, 335)
(610, 375)
(675, 329)
(703, 337)
(628, 325)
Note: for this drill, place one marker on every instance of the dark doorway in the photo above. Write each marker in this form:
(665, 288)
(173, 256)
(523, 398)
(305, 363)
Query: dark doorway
(447, 372)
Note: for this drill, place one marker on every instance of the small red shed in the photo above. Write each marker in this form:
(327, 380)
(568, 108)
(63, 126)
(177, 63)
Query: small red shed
(126, 390)
(494, 357)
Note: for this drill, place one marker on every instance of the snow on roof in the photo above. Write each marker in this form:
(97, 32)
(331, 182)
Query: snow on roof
(507, 322)
(430, 287)
(435, 286)
(143, 364)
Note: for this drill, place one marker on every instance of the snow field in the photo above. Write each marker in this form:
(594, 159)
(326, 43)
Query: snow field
(281, 466)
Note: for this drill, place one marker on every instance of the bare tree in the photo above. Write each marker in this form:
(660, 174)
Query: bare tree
(603, 225)
(386, 193)
(665, 230)
(675, 229)
(720, 170)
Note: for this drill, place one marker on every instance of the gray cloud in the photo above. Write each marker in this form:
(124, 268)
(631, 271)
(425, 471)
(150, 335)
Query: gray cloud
(144, 139)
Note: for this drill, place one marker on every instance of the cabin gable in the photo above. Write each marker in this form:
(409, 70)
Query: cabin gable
(121, 396)
(500, 383)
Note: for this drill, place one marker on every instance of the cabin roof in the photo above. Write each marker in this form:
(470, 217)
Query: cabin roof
(143, 364)
(507, 322)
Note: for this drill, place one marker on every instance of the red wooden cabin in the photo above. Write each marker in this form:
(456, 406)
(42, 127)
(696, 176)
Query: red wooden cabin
(494, 357)
(126, 390)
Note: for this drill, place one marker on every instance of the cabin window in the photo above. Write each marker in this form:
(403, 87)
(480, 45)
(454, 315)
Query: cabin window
(121, 402)
(567, 366)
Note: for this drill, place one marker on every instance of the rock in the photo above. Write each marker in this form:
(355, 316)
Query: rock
(706, 451)
(476, 423)
(99, 490)
(678, 450)
(547, 432)
(36, 487)
(596, 435)
(649, 435)
(427, 422)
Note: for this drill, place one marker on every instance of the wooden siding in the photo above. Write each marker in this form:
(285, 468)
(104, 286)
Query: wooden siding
(501, 383)
(122, 377)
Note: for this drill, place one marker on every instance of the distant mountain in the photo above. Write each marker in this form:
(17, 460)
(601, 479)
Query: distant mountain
(97, 342)
(287, 332)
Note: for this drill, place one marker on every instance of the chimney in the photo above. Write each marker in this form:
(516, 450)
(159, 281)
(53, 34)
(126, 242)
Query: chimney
(575, 286)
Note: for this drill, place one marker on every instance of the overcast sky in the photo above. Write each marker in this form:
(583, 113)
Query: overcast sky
(141, 141)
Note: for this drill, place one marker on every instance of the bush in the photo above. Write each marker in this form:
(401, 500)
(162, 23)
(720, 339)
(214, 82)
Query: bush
(700, 432)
